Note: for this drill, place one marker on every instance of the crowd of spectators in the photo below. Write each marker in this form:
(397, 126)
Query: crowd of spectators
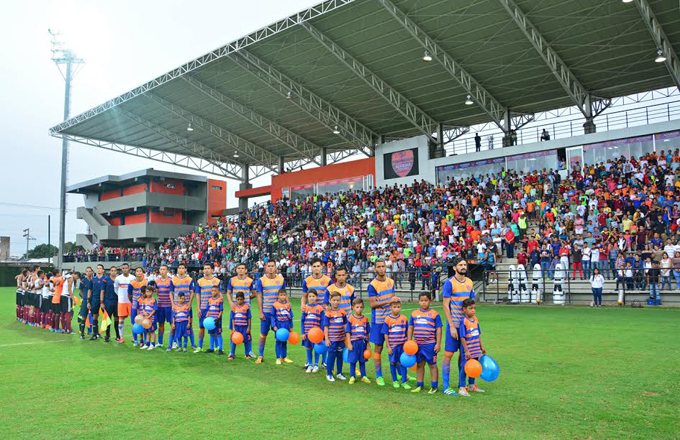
(620, 217)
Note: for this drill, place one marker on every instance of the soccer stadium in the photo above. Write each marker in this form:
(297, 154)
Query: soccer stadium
(344, 199)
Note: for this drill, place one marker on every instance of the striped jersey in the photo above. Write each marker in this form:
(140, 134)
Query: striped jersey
(358, 328)
(311, 317)
(121, 284)
(214, 307)
(383, 292)
(269, 289)
(319, 284)
(204, 290)
(184, 285)
(181, 313)
(425, 324)
(237, 285)
(164, 287)
(147, 306)
(395, 329)
(282, 314)
(335, 321)
(135, 288)
(240, 316)
(470, 331)
(346, 296)
(457, 291)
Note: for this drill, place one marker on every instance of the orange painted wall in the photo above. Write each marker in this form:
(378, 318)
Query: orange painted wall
(108, 195)
(164, 217)
(161, 187)
(134, 189)
(115, 221)
(217, 198)
(362, 167)
(133, 219)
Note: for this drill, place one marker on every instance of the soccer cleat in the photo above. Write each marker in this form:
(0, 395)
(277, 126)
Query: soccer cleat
(450, 392)
(82, 336)
(476, 389)
(168, 350)
(231, 357)
(248, 356)
(151, 347)
(143, 347)
(351, 380)
(315, 369)
(120, 341)
(135, 343)
(365, 379)
(174, 345)
(259, 360)
(323, 365)
(395, 384)
(210, 350)
(432, 391)
(412, 379)
(220, 352)
(463, 392)
(93, 338)
(184, 350)
(197, 350)
(288, 361)
(406, 386)
(179, 349)
(340, 376)
(159, 345)
(330, 378)
(278, 362)
(305, 366)
(309, 369)
(417, 389)
(380, 381)
(107, 339)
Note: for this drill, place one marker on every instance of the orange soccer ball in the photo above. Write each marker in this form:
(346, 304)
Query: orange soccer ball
(146, 323)
(237, 338)
(410, 347)
(315, 335)
(294, 338)
(367, 354)
(473, 368)
(139, 319)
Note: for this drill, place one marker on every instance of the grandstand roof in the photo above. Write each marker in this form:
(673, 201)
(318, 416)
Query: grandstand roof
(358, 65)
(111, 180)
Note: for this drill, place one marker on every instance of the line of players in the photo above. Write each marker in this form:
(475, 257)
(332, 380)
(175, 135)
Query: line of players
(45, 299)
(326, 304)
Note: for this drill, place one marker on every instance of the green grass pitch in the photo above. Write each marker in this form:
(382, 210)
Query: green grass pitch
(565, 372)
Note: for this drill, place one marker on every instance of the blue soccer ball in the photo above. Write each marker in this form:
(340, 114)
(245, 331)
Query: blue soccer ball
(490, 369)
(137, 329)
(345, 355)
(209, 323)
(320, 348)
(407, 360)
(282, 335)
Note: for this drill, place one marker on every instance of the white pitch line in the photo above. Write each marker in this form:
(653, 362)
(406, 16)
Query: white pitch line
(30, 343)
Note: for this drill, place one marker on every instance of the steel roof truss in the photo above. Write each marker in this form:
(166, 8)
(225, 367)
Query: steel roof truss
(661, 40)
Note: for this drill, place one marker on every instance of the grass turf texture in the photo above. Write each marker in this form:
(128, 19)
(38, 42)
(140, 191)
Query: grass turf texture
(565, 372)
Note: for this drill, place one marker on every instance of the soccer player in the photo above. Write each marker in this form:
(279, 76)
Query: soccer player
(395, 329)
(425, 327)
(45, 303)
(240, 283)
(312, 313)
(240, 321)
(122, 285)
(345, 290)
(380, 295)
(110, 302)
(318, 282)
(94, 301)
(456, 289)
(282, 317)
(135, 294)
(164, 286)
(21, 285)
(204, 288)
(267, 288)
(55, 311)
(85, 293)
(356, 340)
(67, 301)
(180, 320)
(472, 345)
(334, 323)
(185, 284)
(148, 306)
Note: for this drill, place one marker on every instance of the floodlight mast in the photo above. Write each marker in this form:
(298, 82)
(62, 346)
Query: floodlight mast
(64, 57)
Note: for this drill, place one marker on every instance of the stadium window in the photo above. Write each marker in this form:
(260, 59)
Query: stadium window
(170, 185)
(168, 214)
(217, 188)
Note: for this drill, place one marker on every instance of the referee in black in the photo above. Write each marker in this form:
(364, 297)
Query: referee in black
(110, 302)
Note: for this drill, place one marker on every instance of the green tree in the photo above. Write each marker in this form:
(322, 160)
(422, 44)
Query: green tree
(42, 251)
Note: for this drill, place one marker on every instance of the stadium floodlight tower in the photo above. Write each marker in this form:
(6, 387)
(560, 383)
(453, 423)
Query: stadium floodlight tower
(68, 64)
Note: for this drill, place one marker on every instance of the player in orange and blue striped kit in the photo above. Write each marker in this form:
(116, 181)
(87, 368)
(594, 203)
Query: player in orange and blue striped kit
(267, 288)
(240, 321)
(425, 327)
(282, 317)
(147, 307)
(395, 329)
(214, 310)
(334, 322)
(312, 314)
(472, 345)
(180, 322)
(356, 340)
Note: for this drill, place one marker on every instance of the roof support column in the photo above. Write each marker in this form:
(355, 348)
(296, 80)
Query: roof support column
(282, 164)
(589, 125)
(507, 138)
(243, 201)
(324, 156)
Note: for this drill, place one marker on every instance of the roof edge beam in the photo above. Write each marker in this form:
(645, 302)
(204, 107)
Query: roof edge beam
(321, 110)
(411, 112)
(481, 96)
(189, 148)
(661, 40)
(255, 152)
(304, 147)
(564, 75)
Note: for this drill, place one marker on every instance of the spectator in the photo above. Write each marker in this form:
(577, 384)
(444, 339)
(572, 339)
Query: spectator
(545, 136)
(653, 275)
(596, 284)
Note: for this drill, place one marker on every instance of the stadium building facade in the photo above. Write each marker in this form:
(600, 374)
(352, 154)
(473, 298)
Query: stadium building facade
(146, 207)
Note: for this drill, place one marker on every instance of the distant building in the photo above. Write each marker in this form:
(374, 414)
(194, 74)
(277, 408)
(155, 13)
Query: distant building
(147, 207)
(4, 248)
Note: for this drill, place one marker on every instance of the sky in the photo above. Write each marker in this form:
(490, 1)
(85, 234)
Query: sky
(124, 43)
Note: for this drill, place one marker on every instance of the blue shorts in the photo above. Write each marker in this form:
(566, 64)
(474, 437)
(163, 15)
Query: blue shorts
(243, 329)
(164, 314)
(307, 344)
(451, 345)
(201, 317)
(376, 336)
(396, 353)
(218, 328)
(357, 354)
(337, 346)
(265, 325)
(181, 329)
(426, 353)
(152, 328)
